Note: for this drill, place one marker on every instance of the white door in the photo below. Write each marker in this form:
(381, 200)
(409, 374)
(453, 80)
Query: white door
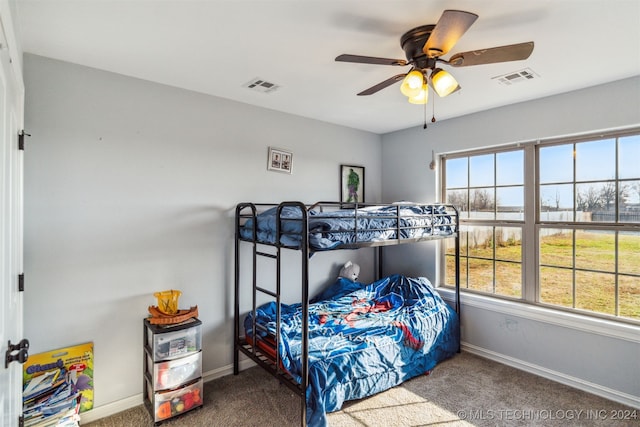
(11, 202)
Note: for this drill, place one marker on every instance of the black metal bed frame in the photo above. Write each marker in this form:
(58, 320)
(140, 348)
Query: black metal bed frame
(252, 351)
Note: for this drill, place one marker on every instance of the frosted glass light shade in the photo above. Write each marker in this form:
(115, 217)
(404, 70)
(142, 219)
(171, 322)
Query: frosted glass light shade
(412, 84)
(443, 82)
(422, 97)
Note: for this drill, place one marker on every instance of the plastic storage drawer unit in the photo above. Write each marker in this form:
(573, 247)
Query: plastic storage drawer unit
(172, 373)
(172, 368)
(169, 403)
(168, 343)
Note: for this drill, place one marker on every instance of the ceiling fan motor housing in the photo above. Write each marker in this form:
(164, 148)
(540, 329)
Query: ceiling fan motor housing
(412, 43)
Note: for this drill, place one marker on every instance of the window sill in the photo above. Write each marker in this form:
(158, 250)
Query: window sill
(564, 319)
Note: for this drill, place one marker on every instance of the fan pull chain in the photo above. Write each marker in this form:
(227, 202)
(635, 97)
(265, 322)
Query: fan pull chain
(433, 117)
(425, 116)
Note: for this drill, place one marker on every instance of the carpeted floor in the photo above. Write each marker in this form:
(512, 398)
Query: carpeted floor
(463, 391)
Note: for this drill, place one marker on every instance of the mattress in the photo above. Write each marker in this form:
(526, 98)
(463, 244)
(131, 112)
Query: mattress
(329, 230)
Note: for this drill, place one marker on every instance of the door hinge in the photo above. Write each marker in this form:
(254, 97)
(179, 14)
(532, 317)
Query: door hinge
(21, 136)
(21, 282)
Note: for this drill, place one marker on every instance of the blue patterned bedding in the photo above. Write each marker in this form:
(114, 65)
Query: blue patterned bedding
(363, 339)
(328, 230)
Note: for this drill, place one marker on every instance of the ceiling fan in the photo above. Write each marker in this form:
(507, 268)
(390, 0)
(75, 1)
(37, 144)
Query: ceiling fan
(424, 46)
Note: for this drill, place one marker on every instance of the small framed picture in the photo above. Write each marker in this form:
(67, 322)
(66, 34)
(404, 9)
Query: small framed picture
(351, 184)
(279, 160)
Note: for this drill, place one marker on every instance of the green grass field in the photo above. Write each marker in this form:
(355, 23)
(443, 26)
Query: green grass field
(592, 290)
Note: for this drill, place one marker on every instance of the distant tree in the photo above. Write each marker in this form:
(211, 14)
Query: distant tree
(626, 191)
(608, 195)
(602, 197)
(458, 199)
(631, 189)
(635, 187)
(589, 200)
(482, 200)
(551, 205)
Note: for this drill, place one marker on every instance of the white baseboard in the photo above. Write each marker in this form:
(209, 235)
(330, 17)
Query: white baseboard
(137, 399)
(607, 393)
(226, 370)
(614, 395)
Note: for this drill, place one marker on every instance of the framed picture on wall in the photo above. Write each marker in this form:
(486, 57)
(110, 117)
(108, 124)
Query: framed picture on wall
(279, 160)
(351, 184)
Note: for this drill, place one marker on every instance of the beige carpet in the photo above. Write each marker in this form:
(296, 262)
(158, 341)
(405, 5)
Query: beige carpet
(463, 391)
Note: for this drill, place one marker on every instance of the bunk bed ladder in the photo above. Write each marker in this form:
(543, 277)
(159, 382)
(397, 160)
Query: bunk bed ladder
(256, 289)
(236, 291)
(252, 349)
(276, 295)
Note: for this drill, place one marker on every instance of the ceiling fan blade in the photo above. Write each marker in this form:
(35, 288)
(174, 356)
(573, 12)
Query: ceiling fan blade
(370, 60)
(382, 85)
(513, 52)
(450, 27)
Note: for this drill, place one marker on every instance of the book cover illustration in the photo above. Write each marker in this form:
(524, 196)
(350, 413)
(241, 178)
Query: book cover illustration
(57, 384)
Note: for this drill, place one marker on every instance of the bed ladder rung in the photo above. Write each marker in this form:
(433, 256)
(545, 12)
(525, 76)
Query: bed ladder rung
(268, 255)
(266, 291)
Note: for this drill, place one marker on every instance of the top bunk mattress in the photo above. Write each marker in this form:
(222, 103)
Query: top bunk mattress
(328, 226)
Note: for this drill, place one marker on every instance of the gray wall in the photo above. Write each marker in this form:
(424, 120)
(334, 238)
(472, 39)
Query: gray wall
(130, 188)
(602, 357)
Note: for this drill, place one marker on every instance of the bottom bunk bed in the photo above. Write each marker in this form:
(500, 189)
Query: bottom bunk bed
(354, 339)
(363, 339)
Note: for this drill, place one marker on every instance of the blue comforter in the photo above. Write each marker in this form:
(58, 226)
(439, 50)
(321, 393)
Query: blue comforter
(328, 230)
(363, 339)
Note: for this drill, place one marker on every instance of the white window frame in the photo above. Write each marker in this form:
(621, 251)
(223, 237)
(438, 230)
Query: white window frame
(495, 223)
(532, 224)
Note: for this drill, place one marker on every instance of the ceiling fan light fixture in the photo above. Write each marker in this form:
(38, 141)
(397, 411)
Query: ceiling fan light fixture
(424, 47)
(443, 83)
(422, 97)
(412, 84)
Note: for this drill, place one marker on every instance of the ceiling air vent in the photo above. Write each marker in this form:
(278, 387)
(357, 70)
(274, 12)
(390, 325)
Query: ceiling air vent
(516, 77)
(260, 85)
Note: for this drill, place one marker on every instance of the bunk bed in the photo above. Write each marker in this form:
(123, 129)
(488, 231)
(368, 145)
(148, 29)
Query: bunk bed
(354, 339)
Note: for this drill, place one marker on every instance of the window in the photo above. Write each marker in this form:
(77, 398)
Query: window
(488, 190)
(592, 261)
(584, 221)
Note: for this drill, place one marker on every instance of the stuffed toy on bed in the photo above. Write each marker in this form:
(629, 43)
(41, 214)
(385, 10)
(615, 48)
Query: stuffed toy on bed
(345, 283)
(350, 271)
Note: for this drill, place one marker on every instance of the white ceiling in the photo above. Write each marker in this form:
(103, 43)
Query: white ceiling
(217, 46)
